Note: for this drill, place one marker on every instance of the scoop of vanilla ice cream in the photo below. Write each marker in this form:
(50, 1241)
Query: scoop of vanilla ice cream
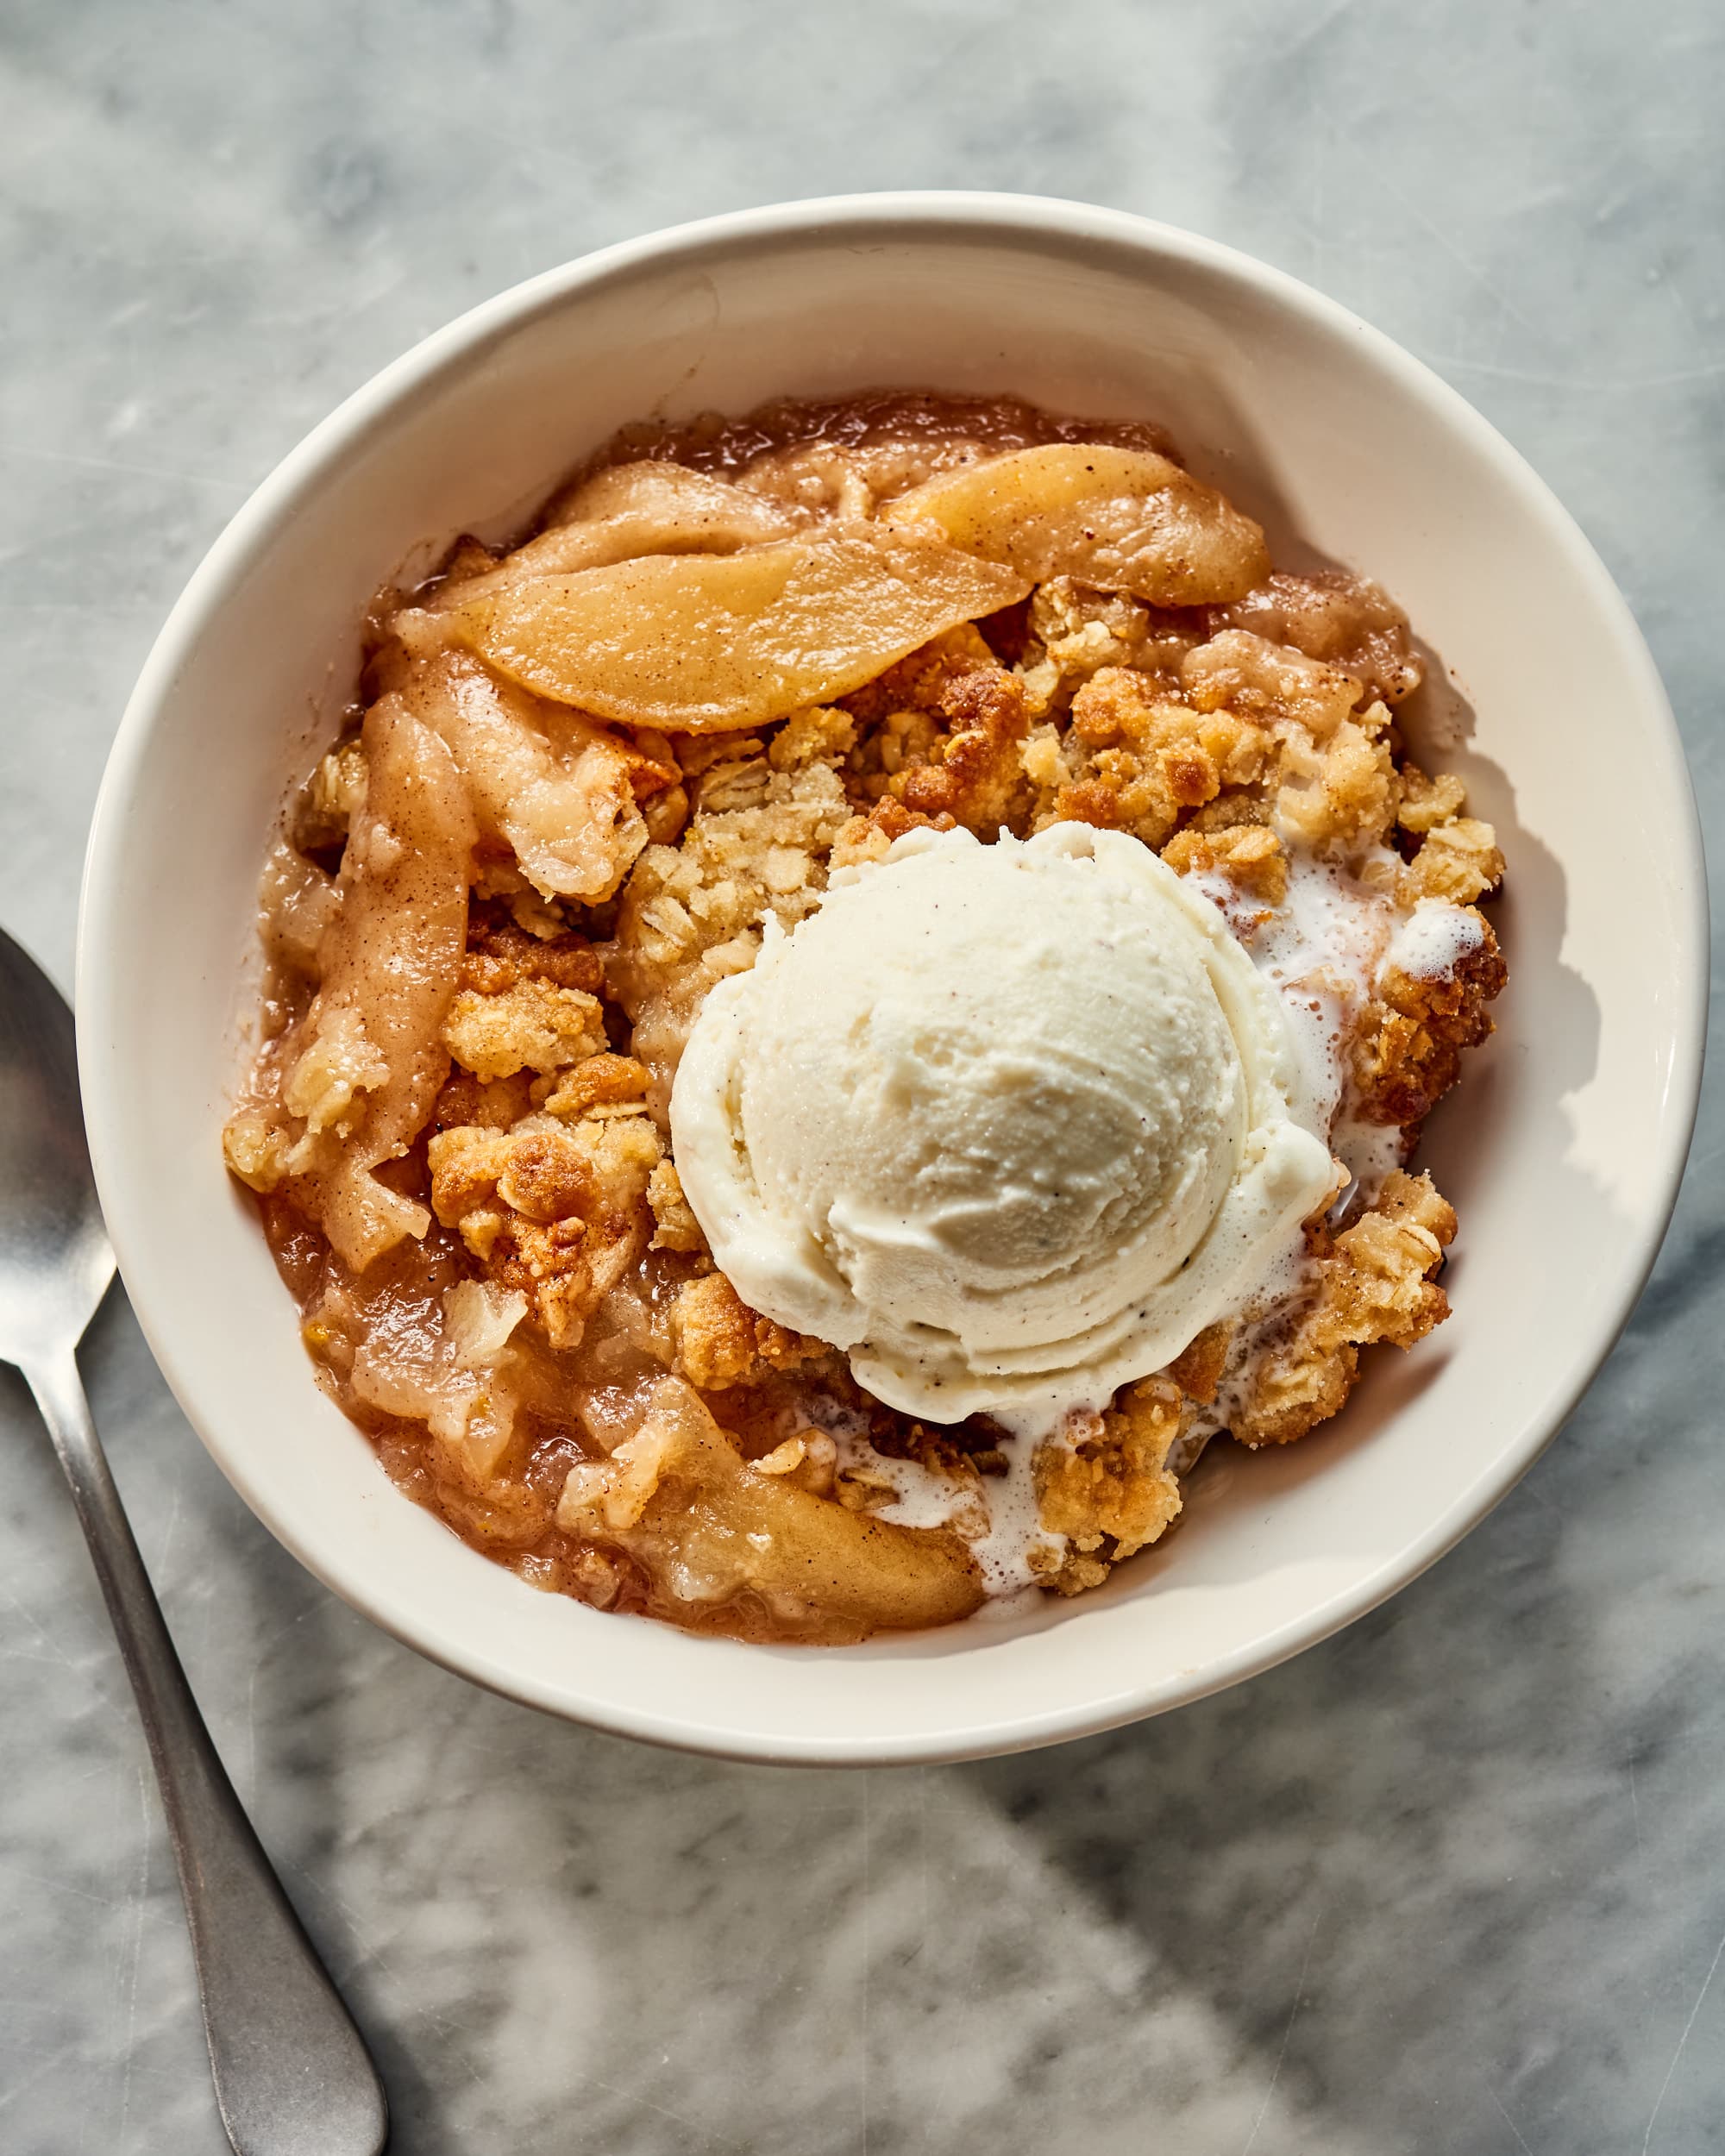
(1009, 1124)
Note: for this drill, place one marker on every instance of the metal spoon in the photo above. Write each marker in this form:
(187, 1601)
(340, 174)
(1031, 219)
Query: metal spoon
(292, 2075)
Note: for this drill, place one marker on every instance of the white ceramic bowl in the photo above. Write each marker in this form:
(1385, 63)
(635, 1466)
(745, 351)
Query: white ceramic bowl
(1562, 1150)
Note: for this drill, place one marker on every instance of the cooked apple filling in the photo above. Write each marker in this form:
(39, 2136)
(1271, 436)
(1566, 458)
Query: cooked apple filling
(734, 669)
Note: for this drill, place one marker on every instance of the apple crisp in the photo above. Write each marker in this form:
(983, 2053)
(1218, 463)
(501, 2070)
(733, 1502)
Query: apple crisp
(586, 774)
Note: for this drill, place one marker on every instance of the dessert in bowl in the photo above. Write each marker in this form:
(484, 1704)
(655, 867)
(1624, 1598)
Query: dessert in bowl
(840, 1009)
(695, 1225)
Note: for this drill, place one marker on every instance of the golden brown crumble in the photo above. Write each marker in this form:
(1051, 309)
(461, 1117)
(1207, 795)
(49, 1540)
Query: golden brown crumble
(674, 1225)
(757, 843)
(1136, 758)
(535, 1025)
(1408, 1046)
(1374, 1283)
(1073, 633)
(1108, 1490)
(1425, 802)
(721, 1341)
(1250, 856)
(501, 955)
(1197, 1369)
(599, 1084)
(974, 774)
(557, 1211)
(1458, 861)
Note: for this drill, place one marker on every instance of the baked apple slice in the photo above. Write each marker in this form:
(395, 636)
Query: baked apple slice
(678, 1499)
(558, 789)
(348, 1086)
(628, 511)
(1120, 520)
(697, 643)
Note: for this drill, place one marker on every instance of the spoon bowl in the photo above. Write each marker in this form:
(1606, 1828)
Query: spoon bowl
(55, 1261)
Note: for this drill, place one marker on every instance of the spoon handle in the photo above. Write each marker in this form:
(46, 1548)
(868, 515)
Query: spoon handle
(292, 2075)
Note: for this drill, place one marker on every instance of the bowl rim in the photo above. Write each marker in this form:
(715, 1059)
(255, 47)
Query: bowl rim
(914, 214)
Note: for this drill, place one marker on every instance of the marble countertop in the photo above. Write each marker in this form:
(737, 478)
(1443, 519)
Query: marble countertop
(1449, 1883)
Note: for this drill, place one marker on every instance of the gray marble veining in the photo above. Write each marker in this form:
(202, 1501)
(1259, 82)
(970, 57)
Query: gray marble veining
(1450, 1883)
